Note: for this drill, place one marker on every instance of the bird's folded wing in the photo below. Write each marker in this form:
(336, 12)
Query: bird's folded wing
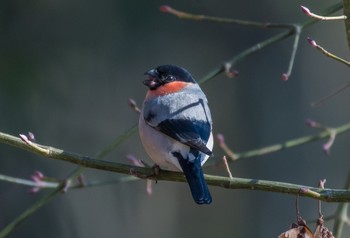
(195, 134)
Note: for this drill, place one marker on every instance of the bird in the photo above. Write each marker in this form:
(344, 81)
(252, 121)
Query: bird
(175, 126)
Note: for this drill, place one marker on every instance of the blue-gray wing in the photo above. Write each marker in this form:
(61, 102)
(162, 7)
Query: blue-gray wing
(195, 134)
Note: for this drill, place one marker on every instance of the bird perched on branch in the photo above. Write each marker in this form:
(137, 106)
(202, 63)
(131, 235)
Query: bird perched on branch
(175, 126)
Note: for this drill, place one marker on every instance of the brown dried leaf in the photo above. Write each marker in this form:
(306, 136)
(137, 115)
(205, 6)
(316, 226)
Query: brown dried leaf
(321, 231)
(292, 233)
(299, 230)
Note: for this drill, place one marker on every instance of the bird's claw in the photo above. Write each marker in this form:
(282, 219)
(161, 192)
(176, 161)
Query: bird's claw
(156, 171)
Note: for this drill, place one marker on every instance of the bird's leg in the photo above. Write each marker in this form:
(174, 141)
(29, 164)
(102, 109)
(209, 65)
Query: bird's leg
(156, 171)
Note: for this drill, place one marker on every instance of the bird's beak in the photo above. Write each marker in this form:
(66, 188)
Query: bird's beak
(152, 73)
(152, 80)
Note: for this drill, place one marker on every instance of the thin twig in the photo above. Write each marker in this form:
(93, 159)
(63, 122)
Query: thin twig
(227, 167)
(27, 182)
(225, 148)
(274, 39)
(327, 53)
(319, 17)
(54, 185)
(331, 95)
(291, 143)
(297, 29)
(346, 11)
(132, 103)
(196, 17)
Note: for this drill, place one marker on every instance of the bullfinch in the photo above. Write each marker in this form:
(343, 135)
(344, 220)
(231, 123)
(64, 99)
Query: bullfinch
(175, 126)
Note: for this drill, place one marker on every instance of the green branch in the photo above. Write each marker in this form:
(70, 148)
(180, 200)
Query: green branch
(346, 11)
(290, 143)
(196, 17)
(329, 195)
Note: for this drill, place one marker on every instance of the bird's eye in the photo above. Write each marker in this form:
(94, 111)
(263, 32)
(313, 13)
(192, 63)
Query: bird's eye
(170, 78)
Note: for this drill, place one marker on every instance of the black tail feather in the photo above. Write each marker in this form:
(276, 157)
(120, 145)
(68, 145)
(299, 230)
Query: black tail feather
(195, 178)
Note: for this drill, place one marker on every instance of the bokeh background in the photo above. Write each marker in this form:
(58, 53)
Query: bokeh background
(67, 69)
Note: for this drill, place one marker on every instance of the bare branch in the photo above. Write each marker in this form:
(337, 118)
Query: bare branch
(327, 53)
(319, 17)
(290, 143)
(328, 195)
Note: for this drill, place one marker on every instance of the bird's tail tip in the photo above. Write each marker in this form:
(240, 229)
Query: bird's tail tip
(199, 190)
(203, 200)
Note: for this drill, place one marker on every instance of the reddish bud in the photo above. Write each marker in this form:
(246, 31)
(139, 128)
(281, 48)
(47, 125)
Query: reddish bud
(34, 190)
(37, 178)
(23, 137)
(31, 136)
(132, 103)
(312, 42)
(284, 77)
(82, 180)
(322, 183)
(67, 185)
(311, 123)
(135, 161)
(220, 138)
(304, 190)
(165, 8)
(232, 73)
(327, 148)
(38, 174)
(305, 10)
(149, 189)
(229, 71)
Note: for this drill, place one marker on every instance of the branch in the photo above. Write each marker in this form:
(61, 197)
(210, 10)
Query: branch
(329, 195)
(346, 11)
(285, 145)
(323, 18)
(331, 95)
(297, 32)
(327, 53)
(54, 185)
(274, 39)
(196, 17)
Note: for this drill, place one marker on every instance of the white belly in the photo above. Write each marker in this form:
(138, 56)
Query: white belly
(159, 147)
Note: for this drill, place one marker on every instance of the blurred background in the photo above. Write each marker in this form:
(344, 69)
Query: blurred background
(67, 69)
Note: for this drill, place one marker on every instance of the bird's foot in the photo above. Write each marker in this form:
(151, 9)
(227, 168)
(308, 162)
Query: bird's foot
(156, 171)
